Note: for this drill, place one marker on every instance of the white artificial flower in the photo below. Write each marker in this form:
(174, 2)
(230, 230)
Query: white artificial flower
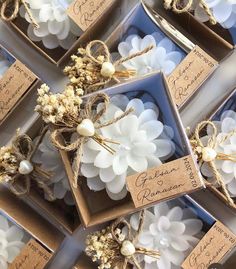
(224, 11)
(11, 242)
(4, 64)
(55, 27)
(171, 230)
(49, 158)
(226, 168)
(144, 142)
(163, 57)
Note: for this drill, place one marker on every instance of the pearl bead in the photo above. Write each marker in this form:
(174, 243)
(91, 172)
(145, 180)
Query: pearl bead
(127, 249)
(108, 69)
(86, 128)
(208, 154)
(164, 242)
(25, 167)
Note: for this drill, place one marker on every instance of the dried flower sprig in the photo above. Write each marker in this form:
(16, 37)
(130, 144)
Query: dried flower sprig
(91, 70)
(17, 168)
(111, 248)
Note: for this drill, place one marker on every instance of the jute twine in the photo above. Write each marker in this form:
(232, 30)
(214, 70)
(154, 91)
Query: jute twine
(24, 149)
(182, 6)
(126, 260)
(212, 143)
(88, 112)
(9, 10)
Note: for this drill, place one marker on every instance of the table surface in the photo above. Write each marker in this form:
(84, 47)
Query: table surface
(208, 97)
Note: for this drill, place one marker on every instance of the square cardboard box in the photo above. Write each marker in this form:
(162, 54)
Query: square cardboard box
(42, 239)
(16, 81)
(97, 207)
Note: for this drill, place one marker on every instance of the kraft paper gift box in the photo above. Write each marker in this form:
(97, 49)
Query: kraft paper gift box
(90, 16)
(214, 39)
(41, 239)
(84, 262)
(97, 207)
(60, 214)
(16, 81)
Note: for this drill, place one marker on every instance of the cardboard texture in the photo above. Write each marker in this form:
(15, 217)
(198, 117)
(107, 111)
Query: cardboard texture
(218, 241)
(194, 69)
(97, 207)
(199, 33)
(16, 82)
(86, 12)
(59, 56)
(45, 238)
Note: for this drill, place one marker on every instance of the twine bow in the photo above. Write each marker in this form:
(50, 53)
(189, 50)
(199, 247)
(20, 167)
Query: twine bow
(91, 117)
(208, 153)
(182, 6)
(128, 257)
(99, 67)
(9, 10)
(24, 150)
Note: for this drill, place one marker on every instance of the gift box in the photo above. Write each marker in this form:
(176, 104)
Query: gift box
(29, 240)
(214, 39)
(76, 20)
(174, 178)
(154, 233)
(84, 262)
(16, 81)
(59, 210)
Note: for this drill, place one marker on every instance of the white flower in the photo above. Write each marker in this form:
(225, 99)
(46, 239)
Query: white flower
(49, 158)
(164, 56)
(55, 27)
(170, 230)
(10, 242)
(144, 142)
(226, 168)
(4, 63)
(224, 11)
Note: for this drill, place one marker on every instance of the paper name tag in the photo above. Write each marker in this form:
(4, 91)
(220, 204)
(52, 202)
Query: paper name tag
(175, 177)
(189, 75)
(212, 248)
(85, 12)
(32, 256)
(13, 85)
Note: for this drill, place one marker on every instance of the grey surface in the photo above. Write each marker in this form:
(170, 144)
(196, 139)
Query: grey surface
(210, 94)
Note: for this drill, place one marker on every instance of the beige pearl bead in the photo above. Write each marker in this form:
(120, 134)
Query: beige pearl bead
(25, 167)
(208, 154)
(86, 128)
(107, 70)
(127, 249)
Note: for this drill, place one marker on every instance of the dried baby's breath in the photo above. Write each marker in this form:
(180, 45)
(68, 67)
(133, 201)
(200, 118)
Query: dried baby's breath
(8, 164)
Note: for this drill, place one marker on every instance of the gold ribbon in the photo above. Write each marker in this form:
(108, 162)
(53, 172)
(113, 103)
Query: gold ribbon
(182, 6)
(24, 149)
(71, 126)
(208, 153)
(9, 10)
(126, 260)
(97, 64)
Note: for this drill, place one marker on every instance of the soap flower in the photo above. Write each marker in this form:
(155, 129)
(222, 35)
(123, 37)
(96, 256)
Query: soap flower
(163, 57)
(11, 242)
(224, 11)
(50, 160)
(226, 168)
(143, 142)
(56, 29)
(172, 230)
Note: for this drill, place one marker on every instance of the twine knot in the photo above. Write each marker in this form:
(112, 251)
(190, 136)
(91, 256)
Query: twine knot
(9, 10)
(86, 127)
(209, 153)
(24, 170)
(182, 6)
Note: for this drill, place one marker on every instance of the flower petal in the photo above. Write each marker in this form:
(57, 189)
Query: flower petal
(175, 214)
(107, 174)
(179, 244)
(137, 163)
(177, 228)
(117, 196)
(193, 226)
(89, 170)
(120, 164)
(163, 223)
(104, 159)
(153, 129)
(14, 234)
(95, 184)
(147, 115)
(3, 223)
(117, 184)
(137, 105)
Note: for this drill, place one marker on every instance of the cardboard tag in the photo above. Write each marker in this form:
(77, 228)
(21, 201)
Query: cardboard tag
(175, 177)
(32, 256)
(13, 85)
(212, 248)
(85, 12)
(189, 75)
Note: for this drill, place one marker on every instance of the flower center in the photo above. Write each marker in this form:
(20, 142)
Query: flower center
(164, 242)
